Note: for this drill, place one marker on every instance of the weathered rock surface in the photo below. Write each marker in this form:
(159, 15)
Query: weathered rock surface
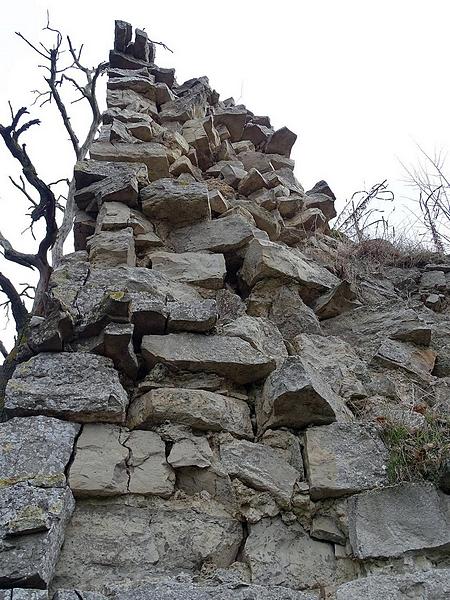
(198, 409)
(295, 395)
(178, 202)
(196, 268)
(36, 450)
(200, 316)
(220, 235)
(260, 467)
(260, 332)
(32, 524)
(403, 518)
(228, 356)
(343, 458)
(280, 554)
(139, 537)
(75, 386)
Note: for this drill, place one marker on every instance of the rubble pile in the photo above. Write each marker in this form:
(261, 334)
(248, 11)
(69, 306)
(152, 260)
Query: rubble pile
(188, 424)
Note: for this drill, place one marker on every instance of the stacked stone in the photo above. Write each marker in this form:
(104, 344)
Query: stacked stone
(191, 386)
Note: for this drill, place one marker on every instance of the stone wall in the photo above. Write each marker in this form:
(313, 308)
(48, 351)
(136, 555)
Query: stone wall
(190, 424)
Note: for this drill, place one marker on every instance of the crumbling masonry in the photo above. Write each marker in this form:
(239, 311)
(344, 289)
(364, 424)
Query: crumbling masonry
(186, 428)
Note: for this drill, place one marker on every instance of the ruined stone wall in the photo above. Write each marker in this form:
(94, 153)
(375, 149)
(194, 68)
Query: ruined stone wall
(201, 416)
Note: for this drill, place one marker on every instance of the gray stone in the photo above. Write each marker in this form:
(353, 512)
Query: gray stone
(228, 356)
(343, 458)
(280, 554)
(391, 521)
(218, 203)
(281, 142)
(295, 395)
(140, 537)
(260, 467)
(191, 451)
(112, 248)
(265, 259)
(229, 306)
(260, 332)
(75, 386)
(325, 528)
(200, 316)
(186, 589)
(199, 409)
(117, 341)
(220, 235)
(111, 461)
(340, 299)
(433, 280)
(32, 524)
(287, 445)
(196, 268)
(396, 354)
(23, 594)
(175, 201)
(153, 155)
(233, 117)
(323, 202)
(422, 585)
(36, 450)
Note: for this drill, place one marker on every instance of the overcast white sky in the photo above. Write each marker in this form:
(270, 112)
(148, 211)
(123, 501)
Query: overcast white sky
(359, 81)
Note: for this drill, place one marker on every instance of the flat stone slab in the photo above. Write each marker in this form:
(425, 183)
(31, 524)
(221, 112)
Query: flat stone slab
(197, 268)
(391, 521)
(424, 585)
(228, 356)
(177, 202)
(72, 385)
(280, 554)
(32, 524)
(36, 450)
(23, 594)
(343, 458)
(199, 409)
(219, 235)
(141, 537)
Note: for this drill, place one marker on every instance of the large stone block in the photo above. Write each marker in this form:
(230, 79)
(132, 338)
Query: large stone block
(36, 450)
(295, 395)
(260, 467)
(111, 461)
(177, 202)
(228, 356)
(205, 411)
(343, 458)
(265, 259)
(112, 248)
(260, 332)
(280, 554)
(32, 524)
(74, 386)
(153, 155)
(139, 537)
(220, 235)
(197, 268)
(391, 521)
(423, 585)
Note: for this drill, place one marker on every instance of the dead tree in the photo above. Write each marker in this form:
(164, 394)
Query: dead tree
(63, 67)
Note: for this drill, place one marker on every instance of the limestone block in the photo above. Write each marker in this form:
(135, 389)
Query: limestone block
(220, 235)
(36, 450)
(74, 386)
(260, 332)
(32, 524)
(175, 201)
(153, 155)
(391, 521)
(295, 395)
(141, 537)
(233, 117)
(228, 356)
(112, 248)
(343, 458)
(197, 268)
(423, 585)
(265, 259)
(260, 467)
(280, 554)
(205, 411)
(281, 142)
(200, 316)
(396, 354)
(321, 201)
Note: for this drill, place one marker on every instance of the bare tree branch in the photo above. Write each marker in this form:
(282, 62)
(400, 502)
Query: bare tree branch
(3, 350)
(18, 309)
